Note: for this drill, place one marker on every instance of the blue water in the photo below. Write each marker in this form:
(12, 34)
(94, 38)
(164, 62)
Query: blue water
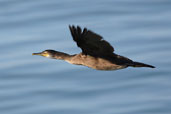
(138, 29)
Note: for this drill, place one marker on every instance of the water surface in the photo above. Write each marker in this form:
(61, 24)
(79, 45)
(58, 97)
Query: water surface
(30, 84)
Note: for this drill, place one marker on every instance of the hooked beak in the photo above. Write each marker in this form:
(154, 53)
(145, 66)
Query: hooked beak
(41, 54)
(37, 53)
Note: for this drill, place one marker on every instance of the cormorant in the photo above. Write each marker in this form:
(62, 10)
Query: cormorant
(96, 52)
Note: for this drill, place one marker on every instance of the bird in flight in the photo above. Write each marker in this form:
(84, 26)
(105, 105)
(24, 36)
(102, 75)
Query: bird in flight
(96, 52)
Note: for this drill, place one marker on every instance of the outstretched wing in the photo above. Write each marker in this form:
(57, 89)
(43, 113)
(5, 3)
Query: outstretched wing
(90, 42)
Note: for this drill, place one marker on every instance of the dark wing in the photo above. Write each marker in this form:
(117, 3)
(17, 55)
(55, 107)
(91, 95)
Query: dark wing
(90, 42)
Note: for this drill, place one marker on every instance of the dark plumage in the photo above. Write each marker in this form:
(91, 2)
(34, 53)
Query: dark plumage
(96, 52)
(90, 42)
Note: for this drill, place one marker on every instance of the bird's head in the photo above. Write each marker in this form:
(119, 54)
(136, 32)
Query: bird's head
(46, 53)
(52, 54)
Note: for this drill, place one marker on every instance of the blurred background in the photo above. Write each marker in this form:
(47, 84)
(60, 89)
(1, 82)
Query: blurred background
(138, 29)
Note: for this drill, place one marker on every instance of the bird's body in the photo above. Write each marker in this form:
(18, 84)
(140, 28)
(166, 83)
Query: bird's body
(96, 52)
(94, 62)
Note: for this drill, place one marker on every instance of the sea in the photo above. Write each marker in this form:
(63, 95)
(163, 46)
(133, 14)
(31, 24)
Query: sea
(137, 29)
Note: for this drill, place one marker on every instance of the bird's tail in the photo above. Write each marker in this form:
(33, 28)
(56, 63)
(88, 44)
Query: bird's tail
(138, 64)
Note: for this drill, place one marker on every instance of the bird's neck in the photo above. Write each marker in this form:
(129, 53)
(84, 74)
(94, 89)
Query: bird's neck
(62, 56)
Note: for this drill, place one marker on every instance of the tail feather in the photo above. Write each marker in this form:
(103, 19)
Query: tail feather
(138, 64)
